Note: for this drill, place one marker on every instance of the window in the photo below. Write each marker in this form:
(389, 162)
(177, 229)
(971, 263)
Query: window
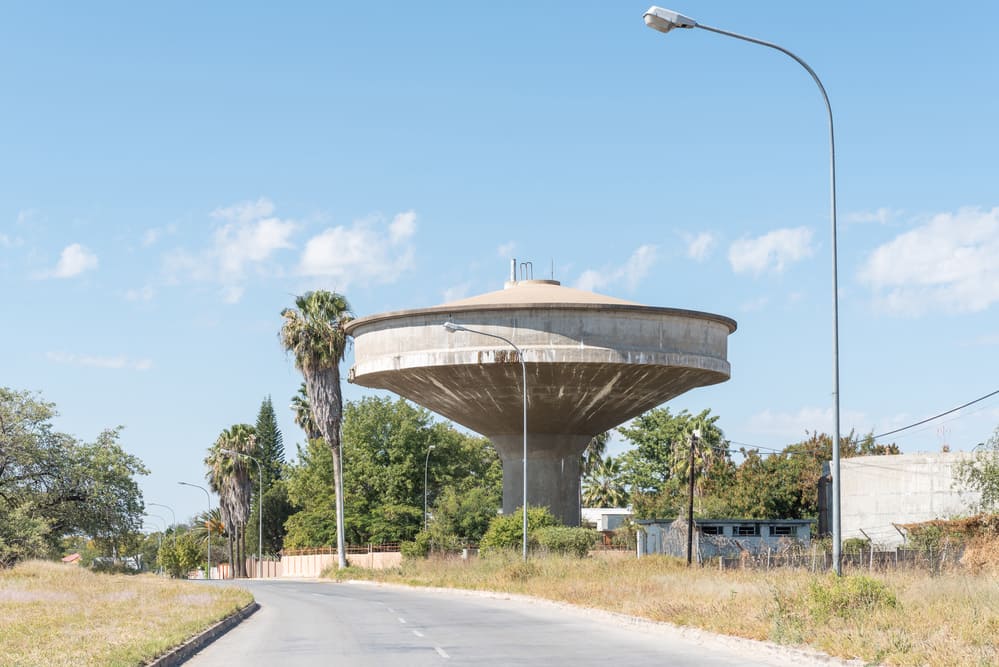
(712, 530)
(782, 530)
(747, 530)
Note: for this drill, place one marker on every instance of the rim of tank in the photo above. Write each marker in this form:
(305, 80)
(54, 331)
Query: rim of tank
(446, 310)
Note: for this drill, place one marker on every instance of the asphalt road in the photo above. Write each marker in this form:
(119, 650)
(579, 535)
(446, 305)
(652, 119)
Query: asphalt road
(325, 623)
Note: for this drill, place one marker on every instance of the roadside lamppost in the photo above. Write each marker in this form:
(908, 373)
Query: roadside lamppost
(426, 467)
(172, 513)
(159, 537)
(452, 327)
(665, 20)
(208, 575)
(260, 507)
(694, 437)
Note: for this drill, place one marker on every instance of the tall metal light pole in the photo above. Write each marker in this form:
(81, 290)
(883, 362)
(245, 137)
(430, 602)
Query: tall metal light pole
(208, 575)
(172, 513)
(426, 468)
(665, 20)
(452, 327)
(260, 507)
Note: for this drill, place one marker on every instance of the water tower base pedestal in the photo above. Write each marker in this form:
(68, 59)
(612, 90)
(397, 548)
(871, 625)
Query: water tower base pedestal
(553, 469)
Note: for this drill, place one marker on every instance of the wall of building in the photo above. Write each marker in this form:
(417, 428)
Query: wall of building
(878, 491)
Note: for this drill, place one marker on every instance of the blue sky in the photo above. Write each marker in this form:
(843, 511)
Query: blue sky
(172, 175)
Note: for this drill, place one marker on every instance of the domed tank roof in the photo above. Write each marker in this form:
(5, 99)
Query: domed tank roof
(523, 292)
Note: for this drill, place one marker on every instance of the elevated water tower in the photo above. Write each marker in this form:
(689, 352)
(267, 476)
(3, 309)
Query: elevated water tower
(592, 363)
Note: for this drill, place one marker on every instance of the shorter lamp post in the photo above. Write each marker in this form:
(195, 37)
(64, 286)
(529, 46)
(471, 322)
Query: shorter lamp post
(426, 467)
(452, 327)
(172, 513)
(208, 574)
(260, 507)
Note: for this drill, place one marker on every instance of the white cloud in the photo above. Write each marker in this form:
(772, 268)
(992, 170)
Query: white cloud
(402, 227)
(246, 242)
(73, 260)
(245, 212)
(881, 216)
(232, 293)
(119, 362)
(144, 293)
(151, 236)
(630, 273)
(366, 252)
(456, 292)
(771, 252)
(807, 419)
(754, 305)
(505, 251)
(699, 247)
(947, 264)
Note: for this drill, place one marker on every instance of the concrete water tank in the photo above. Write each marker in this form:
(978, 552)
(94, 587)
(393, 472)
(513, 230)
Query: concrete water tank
(593, 362)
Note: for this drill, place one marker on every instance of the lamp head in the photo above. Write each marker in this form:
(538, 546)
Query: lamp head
(665, 20)
(452, 327)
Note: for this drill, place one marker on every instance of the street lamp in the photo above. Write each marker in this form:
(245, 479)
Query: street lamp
(172, 513)
(426, 467)
(665, 20)
(452, 327)
(260, 507)
(695, 435)
(207, 495)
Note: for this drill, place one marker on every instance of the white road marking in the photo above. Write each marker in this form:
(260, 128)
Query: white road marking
(390, 610)
(402, 620)
(441, 652)
(418, 633)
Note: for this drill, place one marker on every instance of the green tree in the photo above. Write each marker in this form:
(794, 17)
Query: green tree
(462, 517)
(314, 332)
(53, 486)
(604, 485)
(276, 507)
(656, 468)
(385, 446)
(180, 555)
(981, 474)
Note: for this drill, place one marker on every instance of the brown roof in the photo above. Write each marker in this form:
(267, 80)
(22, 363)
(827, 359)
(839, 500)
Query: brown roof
(533, 292)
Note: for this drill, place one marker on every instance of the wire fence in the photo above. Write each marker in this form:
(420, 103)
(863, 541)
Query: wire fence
(871, 559)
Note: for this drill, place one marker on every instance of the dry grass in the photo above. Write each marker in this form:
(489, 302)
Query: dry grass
(900, 618)
(52, 614)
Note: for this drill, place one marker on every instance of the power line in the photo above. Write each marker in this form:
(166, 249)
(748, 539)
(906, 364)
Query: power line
(942, 414)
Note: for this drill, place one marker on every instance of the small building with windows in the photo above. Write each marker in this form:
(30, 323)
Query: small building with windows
(722, 537)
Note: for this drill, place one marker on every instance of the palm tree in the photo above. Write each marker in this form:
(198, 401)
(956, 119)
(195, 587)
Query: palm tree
(314, 332)
(594, 452)
(709, 450)
(603, 486)
(303, 414)
(230, 477)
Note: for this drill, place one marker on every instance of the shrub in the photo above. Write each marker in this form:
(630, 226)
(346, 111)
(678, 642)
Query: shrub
(565, 540)
(855, 545)
(846, 596)
(418, 548)
(505, 531)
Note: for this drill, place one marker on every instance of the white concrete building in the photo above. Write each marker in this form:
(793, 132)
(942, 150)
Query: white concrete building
(879, 491)
(606, 518)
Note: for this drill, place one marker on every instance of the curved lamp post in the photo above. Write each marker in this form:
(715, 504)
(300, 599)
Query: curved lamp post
(665, 20)
(452, 327)
(426, 468)
(172, 513)
(209, 496)
(260, 507)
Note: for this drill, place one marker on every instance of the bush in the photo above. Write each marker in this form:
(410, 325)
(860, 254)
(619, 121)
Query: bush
(419, 547)
(506, 531)
(845, 596)
(565, 540)
(855, 545)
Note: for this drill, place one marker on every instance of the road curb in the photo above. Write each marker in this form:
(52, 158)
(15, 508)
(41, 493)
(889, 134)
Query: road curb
(182, 653)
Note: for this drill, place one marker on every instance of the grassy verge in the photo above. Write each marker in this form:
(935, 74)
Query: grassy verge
(53, 614)
(899, 618)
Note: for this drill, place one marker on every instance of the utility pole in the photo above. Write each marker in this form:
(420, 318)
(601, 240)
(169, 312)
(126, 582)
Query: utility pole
(694, 435)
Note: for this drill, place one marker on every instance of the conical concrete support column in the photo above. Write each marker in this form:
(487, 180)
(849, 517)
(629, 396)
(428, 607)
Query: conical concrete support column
(552, 472)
